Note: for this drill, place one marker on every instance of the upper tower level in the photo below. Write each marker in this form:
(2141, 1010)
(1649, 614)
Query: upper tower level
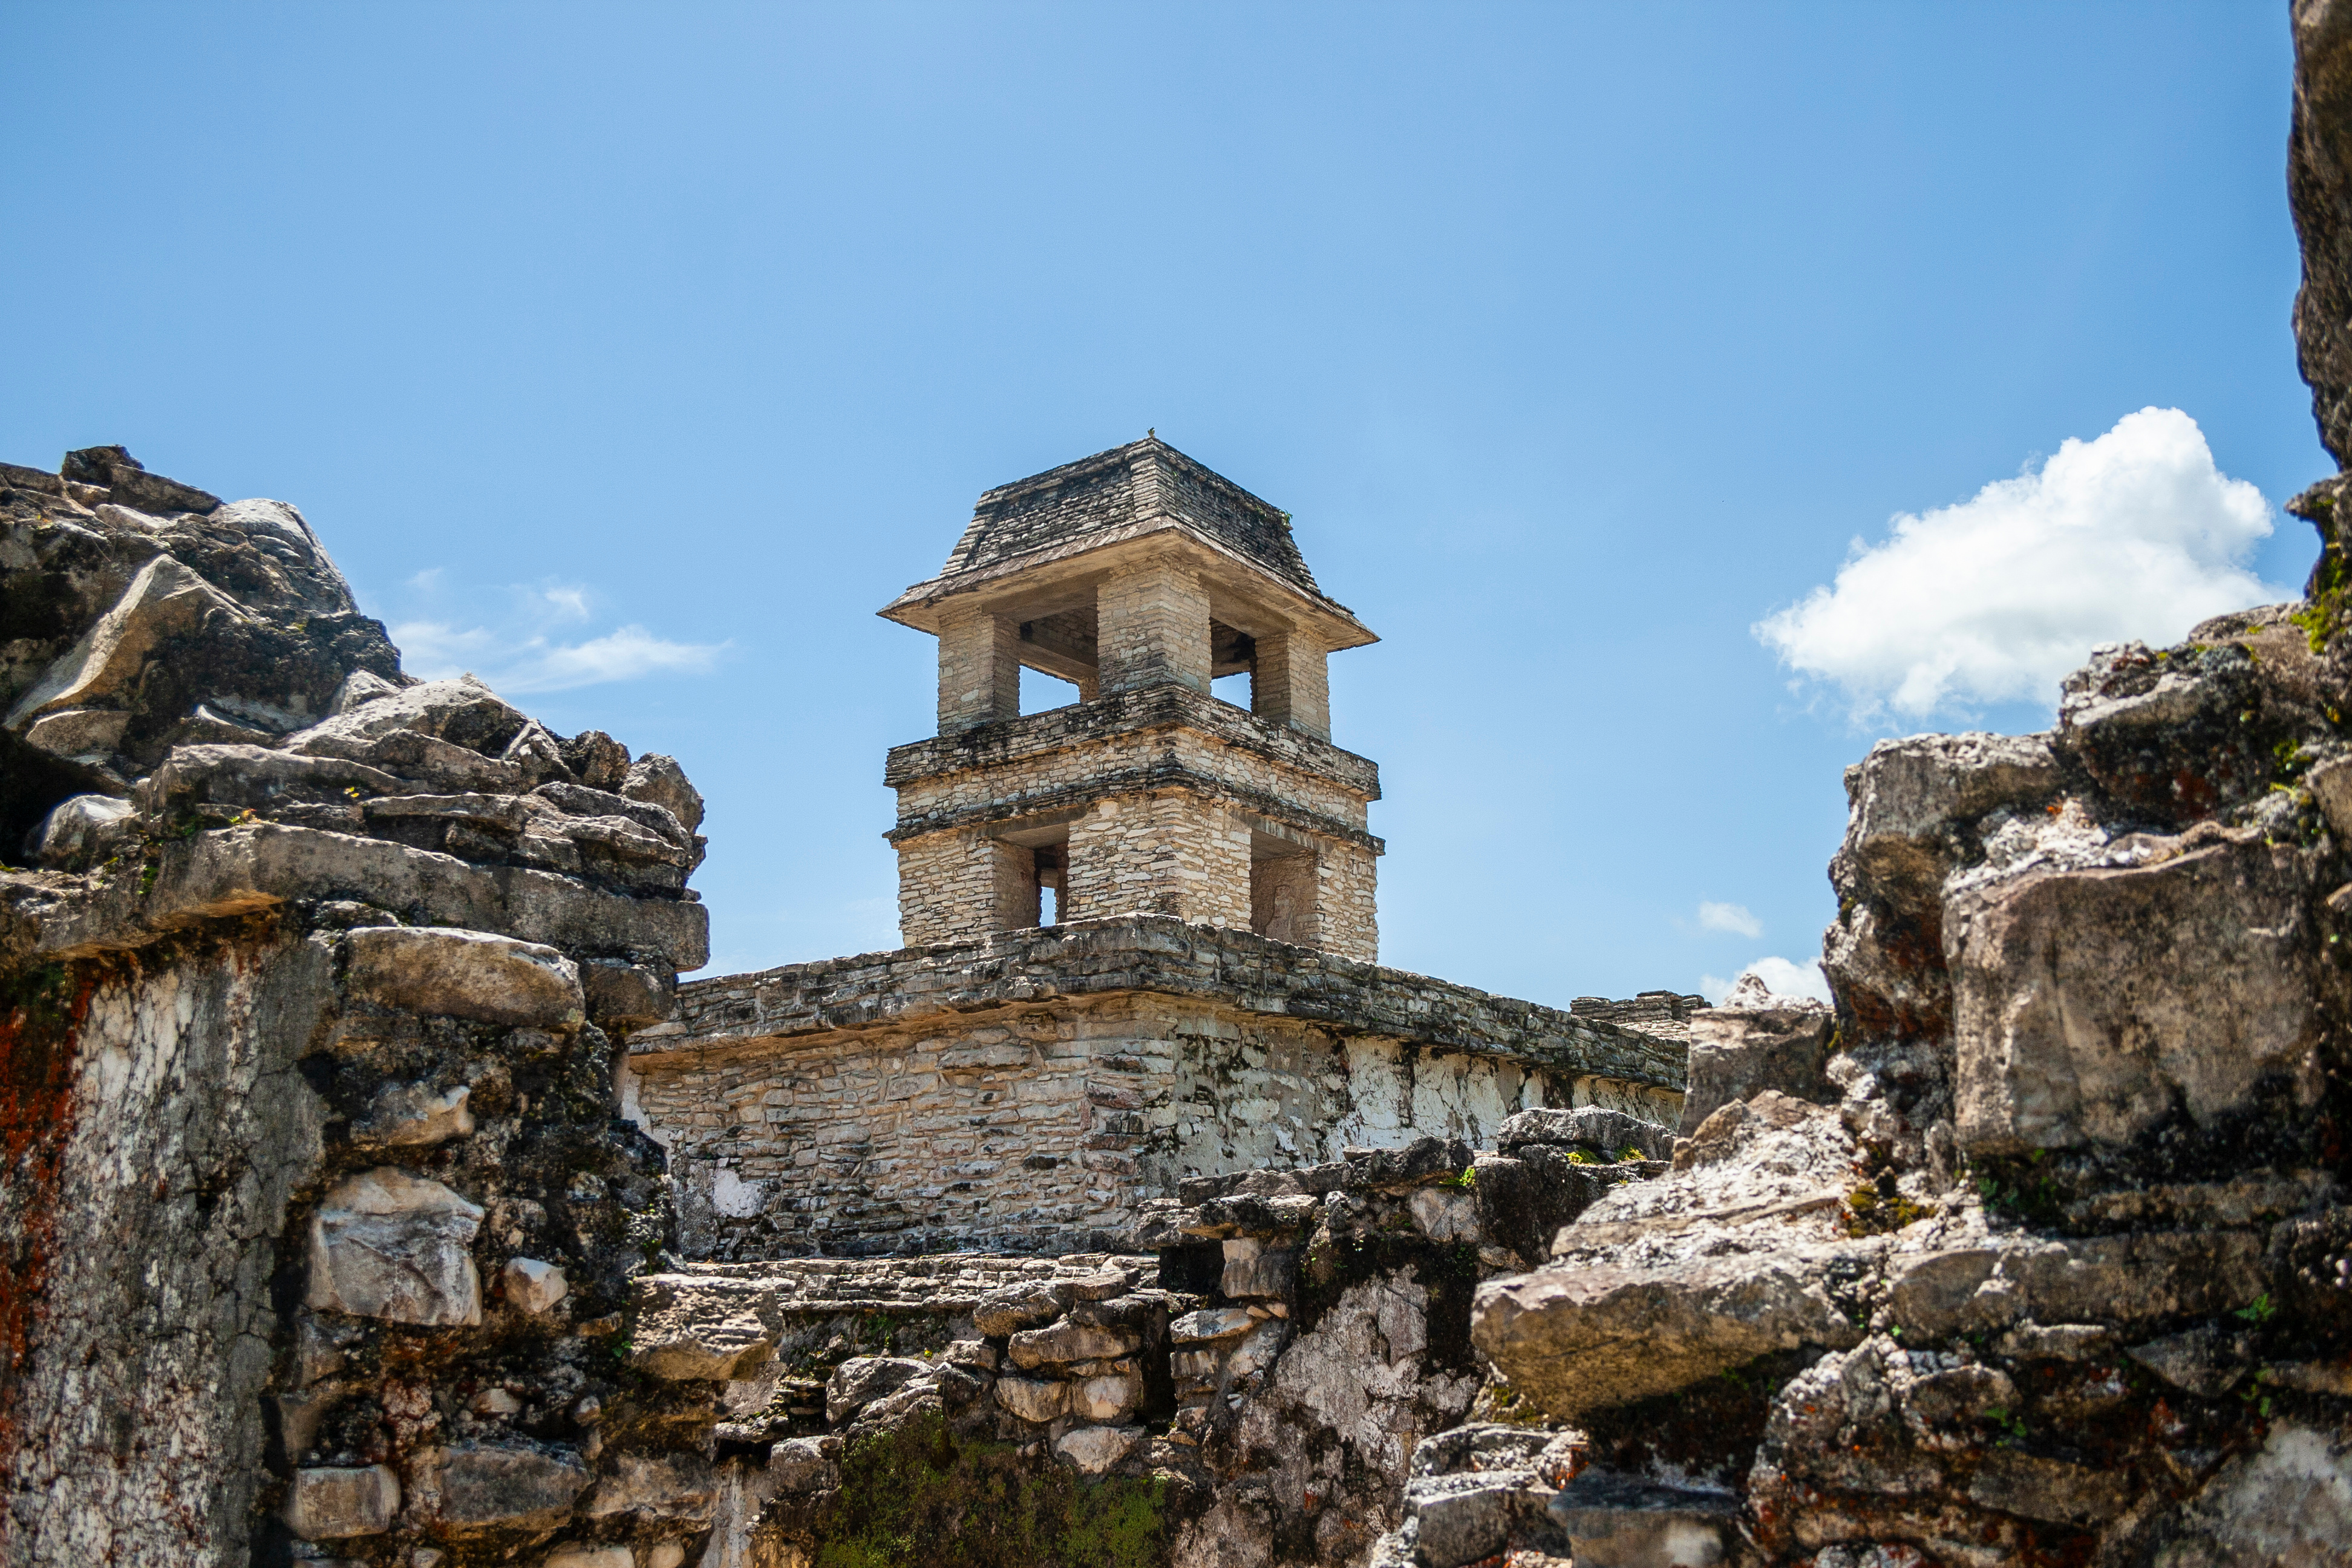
(1141, 576)
(1133, 568)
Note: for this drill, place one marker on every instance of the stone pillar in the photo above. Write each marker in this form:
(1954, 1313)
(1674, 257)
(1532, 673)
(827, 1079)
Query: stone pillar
(1283, 893)
(979, 669)
(1171, 854)
(1289, 683)
(1346, 878)
(964, 884)
(1152, 628)
(1013, 873)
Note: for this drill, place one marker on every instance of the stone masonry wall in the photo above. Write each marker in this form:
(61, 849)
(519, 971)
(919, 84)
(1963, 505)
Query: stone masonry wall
(1162, 791)
(1069, 757)
(1167, 853)
(1346, 901)
(316, 1219)
(1153, 623)
(800, 1114)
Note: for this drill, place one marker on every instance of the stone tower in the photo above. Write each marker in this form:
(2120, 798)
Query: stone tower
(1141, 576)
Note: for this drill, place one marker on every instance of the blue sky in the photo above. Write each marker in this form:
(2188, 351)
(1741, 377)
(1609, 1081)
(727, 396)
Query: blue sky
(634, 356)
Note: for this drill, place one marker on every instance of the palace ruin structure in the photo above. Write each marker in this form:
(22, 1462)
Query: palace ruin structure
(375, 1195)
(1206, 1000)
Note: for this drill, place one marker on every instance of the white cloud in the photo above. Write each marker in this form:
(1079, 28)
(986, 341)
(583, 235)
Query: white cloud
(510, 637)
(2136, 534)
(437, 650)
(1733, 917)
(1780, 976)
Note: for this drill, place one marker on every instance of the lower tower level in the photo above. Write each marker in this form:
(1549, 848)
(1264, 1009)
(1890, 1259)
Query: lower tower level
(1141, 577)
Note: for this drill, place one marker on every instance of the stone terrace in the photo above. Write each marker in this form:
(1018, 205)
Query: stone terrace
(1102, 958)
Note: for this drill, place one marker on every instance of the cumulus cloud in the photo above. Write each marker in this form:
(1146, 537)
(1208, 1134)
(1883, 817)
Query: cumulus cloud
(1733, 917)
(511, 641)
(2134, 535)
(1780, 976)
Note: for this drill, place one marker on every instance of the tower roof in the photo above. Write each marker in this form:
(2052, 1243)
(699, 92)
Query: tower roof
(1143, 489)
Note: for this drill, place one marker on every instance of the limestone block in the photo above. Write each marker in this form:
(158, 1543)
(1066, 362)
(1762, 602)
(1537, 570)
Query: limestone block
(238, 870)
(628, 996)
(1023, 1306)
(655, 1486)
(2207, 1361)
(1446, 1217)
(2051, 1490)
(1209, 1323)
(483, 1486)
(2090, 1005)
(1258, 1347)
(1093, 1450)
(683, 1337)
(977, 1354)
(413, 1115)
(1462, 1517)
(589, 1557)
(1594, 1127)
(1736, 1053)
(334, 1504)
(861, 1380)
(163, 601)
(1621, 1522)
(463, 712)
(78, 731)
(1578, 1337)
(658, 780)
(257, 777)
(466, 975)
(1255, 1270)
(1033, 1399)
(388, 1244)
(1068, 1341)
(1107, 1400)
(441, 765)
(2289, 1503)
(532, 1286)
(81, 830)
(805, 1463)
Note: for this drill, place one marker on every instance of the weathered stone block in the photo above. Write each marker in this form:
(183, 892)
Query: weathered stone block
(532, 1286)
(1033, 1399)
(1093, 1450)
(1110, 1399)
(1621, 1521)
(331, 1504)
(388, 1244)
(1068, 1342)
(467, 974)
(2091, 1006)
(861, 1380)
(480, 1487)
(1578, 1338)
(655, 1486)
(1462, 1517)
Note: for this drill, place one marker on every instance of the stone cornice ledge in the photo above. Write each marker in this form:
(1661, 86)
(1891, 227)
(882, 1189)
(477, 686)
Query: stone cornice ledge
(1154, 708)
(1151, 953)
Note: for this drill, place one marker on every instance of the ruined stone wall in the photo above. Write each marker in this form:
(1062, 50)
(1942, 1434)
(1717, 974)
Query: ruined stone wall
(180, 1132)
(1062, 760)
(1165, 853)
(1034, 1129)
(1032, 1091)
(1249, 1393)
(317, 1218)
(1162, 794)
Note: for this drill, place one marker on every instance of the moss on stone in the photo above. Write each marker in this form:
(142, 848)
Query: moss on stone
(919, 1495)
